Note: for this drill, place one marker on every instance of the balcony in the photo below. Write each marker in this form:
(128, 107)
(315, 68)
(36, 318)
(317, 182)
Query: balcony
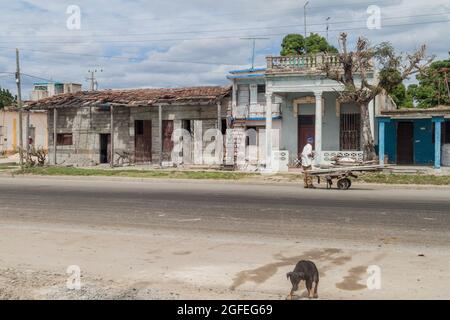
(300, 64)
(255, 111)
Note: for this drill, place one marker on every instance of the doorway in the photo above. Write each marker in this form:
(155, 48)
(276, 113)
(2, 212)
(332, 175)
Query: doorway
(306, 128)
(405, 143)
(143, 141)
(105, 148)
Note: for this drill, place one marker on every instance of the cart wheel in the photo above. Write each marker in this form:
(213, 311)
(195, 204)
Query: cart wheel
(344, 184)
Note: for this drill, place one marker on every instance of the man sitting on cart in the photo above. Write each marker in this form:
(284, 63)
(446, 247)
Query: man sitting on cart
(307, 160)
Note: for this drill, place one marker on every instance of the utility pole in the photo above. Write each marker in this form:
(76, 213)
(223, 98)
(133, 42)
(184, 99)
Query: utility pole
(328, 26)
(304, 13)
(254, 47)
(93, 86)
(19, 105)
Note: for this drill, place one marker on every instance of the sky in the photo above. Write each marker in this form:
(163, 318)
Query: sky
(160, 43)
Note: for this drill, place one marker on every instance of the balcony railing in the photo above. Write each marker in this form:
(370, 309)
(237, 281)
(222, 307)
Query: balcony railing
(301, 63)
(255, 111)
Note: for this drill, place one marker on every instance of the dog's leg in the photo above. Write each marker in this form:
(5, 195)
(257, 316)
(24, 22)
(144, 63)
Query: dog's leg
(316, 284)
(309, 288)
(290, 295)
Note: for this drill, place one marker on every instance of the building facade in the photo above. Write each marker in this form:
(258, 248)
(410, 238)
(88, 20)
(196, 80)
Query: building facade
(141, 126)
(42, 90)
(415, 136)
(9, 129)
(293, 97)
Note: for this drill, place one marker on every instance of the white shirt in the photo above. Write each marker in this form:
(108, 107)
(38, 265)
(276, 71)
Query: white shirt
(307, 160)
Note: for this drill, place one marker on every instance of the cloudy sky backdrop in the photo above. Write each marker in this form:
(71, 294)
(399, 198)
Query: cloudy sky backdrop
(160, 43)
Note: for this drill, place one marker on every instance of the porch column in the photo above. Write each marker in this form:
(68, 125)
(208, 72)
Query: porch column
(160, 134)
(112, 136)
(269, 131)
(381, 138)
(437, 141)
(318, 127)
(219, 116)
(55, 135)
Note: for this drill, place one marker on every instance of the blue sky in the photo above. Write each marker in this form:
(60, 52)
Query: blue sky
(156, 43)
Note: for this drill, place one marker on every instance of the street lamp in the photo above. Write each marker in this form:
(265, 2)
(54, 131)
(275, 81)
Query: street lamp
(328, 26)
(304, 12)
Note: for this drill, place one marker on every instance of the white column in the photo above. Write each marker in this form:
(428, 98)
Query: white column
(269, 131)
(318, 127)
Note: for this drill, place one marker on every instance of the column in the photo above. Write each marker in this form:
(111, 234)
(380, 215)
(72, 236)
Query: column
(318, 127)
(55, 135)
(269, 131)
(112, 136)
(437, 141)
(160, 134)
(381, 139)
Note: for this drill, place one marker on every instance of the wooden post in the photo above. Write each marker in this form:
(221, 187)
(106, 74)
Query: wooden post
(160, 135)
(55, 135)
(112, 136)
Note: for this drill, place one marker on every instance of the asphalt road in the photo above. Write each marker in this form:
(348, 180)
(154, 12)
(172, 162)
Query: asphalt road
(363, 213)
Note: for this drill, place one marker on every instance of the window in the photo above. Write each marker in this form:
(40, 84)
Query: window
(1, 135)
(350, 131)
(188, 126)
(139, 127)
(261, 99)
(64, 139)
(243, 95)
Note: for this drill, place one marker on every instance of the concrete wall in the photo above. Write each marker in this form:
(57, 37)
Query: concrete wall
(9, 134)
(86, 124)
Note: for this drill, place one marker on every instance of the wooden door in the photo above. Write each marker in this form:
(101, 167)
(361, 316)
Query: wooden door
(167, 132)
(306, 128)
(405, 143)
(105, 148)
(143, 141)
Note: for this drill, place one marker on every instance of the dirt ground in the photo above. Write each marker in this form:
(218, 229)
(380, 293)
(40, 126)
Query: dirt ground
(118, 263)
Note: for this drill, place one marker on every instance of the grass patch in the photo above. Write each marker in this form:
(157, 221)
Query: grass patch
(8, 166)
(405, 179)
(168, 174)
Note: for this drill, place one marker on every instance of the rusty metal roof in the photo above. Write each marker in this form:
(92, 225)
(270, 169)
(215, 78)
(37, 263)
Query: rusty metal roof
(134, 97)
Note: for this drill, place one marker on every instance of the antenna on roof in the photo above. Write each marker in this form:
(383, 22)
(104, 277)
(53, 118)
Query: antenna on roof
(254, 46)
(93, 80)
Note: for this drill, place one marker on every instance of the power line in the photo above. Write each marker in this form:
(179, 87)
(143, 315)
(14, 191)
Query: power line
(228, 29)
(220, 37)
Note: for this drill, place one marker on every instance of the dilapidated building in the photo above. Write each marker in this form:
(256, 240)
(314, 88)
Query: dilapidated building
(89, 128)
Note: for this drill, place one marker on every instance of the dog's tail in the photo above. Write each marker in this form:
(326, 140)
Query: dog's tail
(289, 275)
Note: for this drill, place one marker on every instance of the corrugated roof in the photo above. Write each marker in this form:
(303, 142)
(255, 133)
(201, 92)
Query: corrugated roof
(134, 97)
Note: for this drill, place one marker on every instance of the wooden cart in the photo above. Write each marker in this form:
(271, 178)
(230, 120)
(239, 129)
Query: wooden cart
(343, 174)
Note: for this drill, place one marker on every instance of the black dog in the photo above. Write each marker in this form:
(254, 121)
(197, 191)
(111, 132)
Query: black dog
(304, 270)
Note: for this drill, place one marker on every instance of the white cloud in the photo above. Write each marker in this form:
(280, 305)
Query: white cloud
(211, 31)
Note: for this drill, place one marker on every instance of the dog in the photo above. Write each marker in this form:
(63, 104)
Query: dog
(307, 271)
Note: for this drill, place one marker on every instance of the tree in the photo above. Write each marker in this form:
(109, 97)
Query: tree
(296, 44)
(315, 43)
(6, 98)
(432, 89)
(293, 44)
(360, 63)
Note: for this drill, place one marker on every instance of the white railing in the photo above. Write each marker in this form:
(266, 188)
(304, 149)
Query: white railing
(327, 156)
(303, 62)
(255, 111)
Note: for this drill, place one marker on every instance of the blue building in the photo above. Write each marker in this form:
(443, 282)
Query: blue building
(414, 136)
